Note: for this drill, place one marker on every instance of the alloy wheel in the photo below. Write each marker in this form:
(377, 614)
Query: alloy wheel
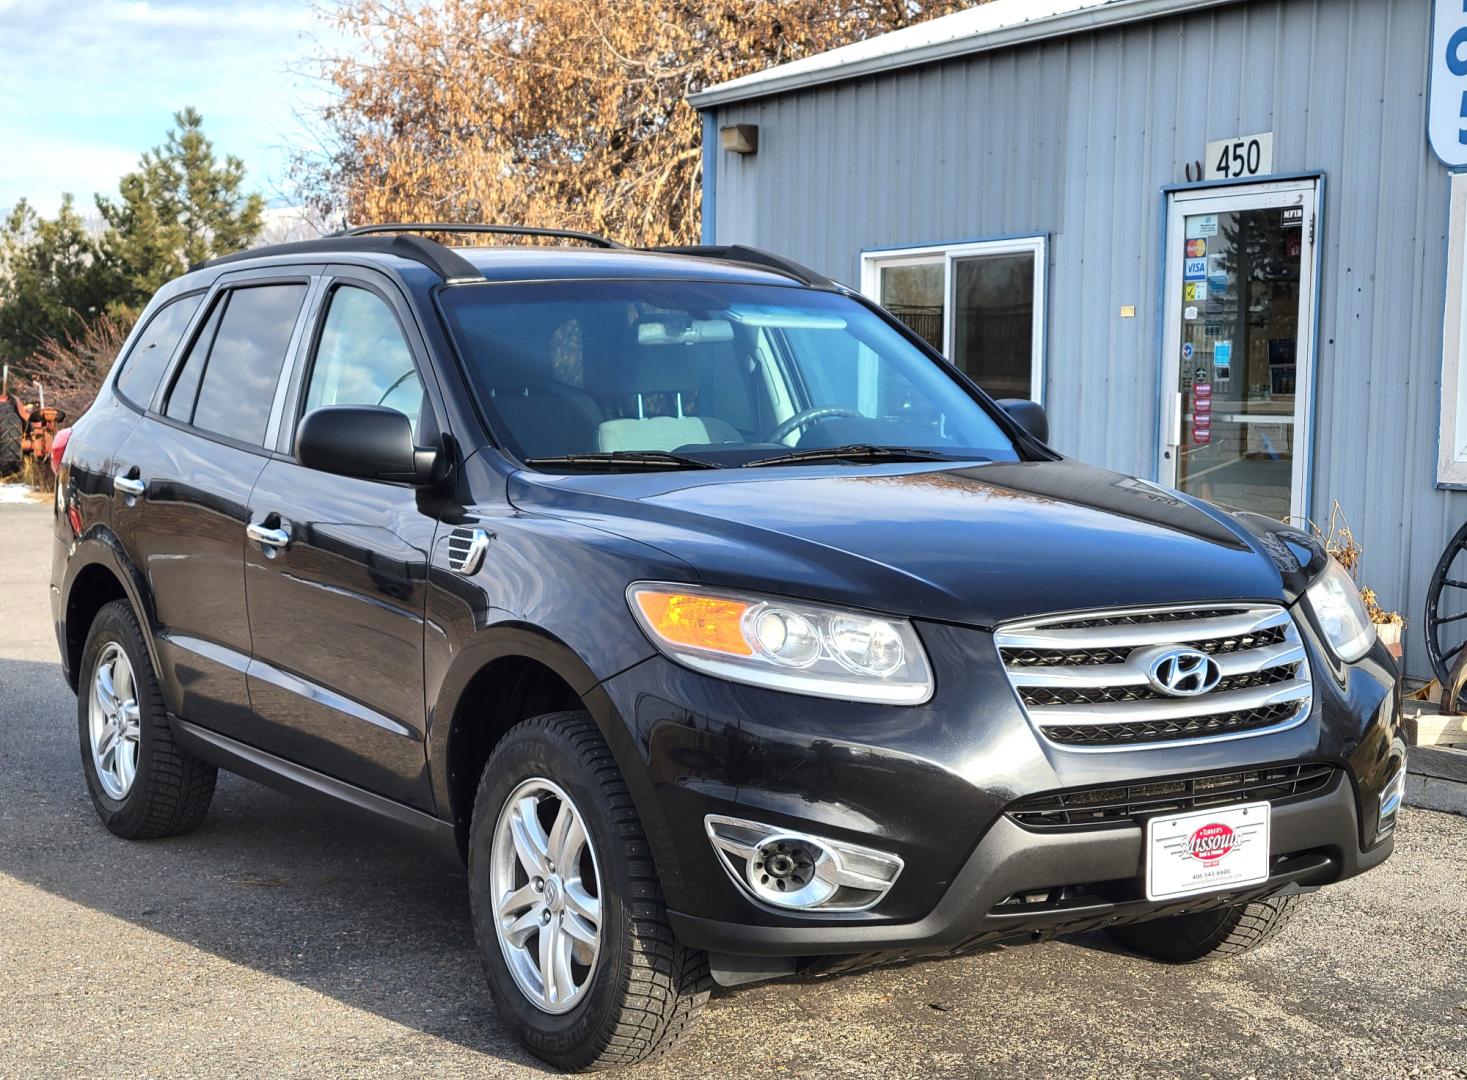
(114, 722)
(546, 893)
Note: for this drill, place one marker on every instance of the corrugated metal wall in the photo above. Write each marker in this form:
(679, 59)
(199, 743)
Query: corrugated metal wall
(1076, 138)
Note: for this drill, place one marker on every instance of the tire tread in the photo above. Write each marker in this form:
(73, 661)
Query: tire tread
(177, 788)
(664, 986)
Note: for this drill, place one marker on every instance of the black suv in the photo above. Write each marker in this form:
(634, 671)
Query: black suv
(719, 625)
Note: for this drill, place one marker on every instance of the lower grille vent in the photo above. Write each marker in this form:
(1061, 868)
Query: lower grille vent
(1130, 803)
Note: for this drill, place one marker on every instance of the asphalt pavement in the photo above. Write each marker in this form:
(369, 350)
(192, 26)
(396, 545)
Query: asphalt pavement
(282, 941)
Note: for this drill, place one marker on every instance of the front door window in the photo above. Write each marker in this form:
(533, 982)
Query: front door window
(1240, 296)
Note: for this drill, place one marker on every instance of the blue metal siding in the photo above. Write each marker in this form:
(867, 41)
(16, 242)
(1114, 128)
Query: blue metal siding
(1077, 137)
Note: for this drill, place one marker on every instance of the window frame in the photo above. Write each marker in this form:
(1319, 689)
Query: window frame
(874, 260)
(306, 275)
(1451, 466)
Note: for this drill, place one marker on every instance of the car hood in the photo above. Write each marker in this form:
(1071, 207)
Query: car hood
(972, 544)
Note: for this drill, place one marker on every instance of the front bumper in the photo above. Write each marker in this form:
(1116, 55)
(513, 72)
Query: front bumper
(1313, 843)
(931, 784)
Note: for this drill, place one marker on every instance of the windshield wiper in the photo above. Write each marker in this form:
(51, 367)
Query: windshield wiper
(634, 459)
(855, 452)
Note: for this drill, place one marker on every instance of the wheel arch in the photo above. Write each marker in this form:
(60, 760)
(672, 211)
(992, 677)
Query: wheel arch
(503, 675)
(97, 573)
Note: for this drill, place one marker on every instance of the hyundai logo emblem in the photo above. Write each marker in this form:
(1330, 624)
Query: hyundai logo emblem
(1184, 672)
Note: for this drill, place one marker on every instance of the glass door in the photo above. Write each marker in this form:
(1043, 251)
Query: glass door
(1239, 346)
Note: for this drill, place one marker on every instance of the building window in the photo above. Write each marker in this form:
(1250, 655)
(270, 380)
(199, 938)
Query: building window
(981, 305)
(1451, 465)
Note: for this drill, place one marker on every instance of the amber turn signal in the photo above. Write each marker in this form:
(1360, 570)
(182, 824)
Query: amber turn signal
(698, 622)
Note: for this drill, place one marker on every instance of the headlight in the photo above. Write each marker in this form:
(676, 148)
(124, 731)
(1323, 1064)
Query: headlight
(1335, 601)
(785, 644)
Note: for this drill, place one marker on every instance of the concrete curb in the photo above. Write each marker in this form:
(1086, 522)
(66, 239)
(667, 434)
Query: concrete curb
(1437, 779)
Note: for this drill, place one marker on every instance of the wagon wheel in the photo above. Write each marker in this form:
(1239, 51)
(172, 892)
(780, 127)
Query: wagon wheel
(1446, 635)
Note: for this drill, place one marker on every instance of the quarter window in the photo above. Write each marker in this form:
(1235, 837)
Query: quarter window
(240, 362)
(143, 366)
(363, 358)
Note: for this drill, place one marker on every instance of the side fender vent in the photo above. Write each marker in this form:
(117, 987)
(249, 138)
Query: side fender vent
(466, 549)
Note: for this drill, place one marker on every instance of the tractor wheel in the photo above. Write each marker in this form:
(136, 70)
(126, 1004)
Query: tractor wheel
(11, 429)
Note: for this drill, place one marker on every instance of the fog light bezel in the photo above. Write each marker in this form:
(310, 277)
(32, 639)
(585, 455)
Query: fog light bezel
(836, 886)
(1392, 797)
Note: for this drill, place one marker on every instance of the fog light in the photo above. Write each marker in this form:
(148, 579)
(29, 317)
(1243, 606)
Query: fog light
(794, 870)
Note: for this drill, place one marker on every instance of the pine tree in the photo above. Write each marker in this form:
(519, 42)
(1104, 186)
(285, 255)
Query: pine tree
(179, 207)
(52, 283)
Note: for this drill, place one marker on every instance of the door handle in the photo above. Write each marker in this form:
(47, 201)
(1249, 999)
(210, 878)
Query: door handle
(276, 539)
(128, 485)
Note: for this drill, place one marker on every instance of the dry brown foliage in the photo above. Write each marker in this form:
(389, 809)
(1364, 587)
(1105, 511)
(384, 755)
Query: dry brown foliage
(72, 370)
(569, 113)
(1340, 543)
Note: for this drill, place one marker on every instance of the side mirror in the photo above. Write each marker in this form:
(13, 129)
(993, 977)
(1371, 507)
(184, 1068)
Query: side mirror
(368, 441)
(1029, 415)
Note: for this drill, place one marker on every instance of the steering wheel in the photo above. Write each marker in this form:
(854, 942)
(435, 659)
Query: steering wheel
(802, 420)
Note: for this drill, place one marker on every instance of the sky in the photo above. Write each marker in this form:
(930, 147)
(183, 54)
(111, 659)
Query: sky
(88, 85)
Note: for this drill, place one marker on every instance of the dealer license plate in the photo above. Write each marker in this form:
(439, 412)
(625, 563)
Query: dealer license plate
(1206, 850)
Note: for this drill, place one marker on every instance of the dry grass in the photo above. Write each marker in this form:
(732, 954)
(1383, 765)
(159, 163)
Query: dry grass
(1339, 541)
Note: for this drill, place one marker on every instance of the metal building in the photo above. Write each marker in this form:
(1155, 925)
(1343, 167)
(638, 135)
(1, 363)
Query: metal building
(1213, 237)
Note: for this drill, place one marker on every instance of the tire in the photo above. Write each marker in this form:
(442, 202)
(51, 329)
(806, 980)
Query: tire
(1209, 935)
(641, 991)
(11, 429)
(169, 791)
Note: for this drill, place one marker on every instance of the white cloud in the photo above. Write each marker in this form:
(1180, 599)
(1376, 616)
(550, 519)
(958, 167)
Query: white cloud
(89, 86)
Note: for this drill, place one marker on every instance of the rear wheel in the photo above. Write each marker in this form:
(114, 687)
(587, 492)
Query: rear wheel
(142, 785)
(1209, 935)
(570, 921)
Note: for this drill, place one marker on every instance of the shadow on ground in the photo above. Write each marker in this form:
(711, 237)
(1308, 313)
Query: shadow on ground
(267, 882)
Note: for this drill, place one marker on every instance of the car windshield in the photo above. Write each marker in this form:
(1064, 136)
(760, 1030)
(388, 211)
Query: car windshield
(676, 374)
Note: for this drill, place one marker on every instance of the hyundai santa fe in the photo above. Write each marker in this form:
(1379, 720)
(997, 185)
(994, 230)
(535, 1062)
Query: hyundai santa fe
(722, 628)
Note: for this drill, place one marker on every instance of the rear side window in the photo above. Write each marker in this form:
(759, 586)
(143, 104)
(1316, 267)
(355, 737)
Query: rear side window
(236, 362)
(144, 364)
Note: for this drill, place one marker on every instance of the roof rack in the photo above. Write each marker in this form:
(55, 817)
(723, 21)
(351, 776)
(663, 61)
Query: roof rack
(501, 230)
(443, 261)
(750, 256)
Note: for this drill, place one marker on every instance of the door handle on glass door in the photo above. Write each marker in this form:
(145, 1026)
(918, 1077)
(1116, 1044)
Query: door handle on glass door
(268, 537)
(128, 485)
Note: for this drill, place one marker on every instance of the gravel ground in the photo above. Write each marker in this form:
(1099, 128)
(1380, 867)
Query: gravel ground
(283, 941)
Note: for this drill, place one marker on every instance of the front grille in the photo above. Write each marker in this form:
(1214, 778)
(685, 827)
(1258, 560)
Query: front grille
(1131, 802)
(1087, 681)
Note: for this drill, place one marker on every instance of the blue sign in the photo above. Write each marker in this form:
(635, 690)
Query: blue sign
(1222, 354)
(1187, 351)
(1194, 269)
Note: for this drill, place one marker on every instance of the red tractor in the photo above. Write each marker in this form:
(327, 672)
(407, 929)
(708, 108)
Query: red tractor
(27, 430)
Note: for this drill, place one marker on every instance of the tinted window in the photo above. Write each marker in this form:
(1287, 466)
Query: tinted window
(245, 359)
(144, 364)
(362, 358)
(185, 390)
(734, 372)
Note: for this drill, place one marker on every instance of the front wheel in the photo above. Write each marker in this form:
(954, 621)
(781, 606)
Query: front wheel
(1209, 935)
(570, 921)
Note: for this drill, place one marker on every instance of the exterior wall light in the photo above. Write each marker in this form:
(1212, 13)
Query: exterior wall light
(740, 138)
